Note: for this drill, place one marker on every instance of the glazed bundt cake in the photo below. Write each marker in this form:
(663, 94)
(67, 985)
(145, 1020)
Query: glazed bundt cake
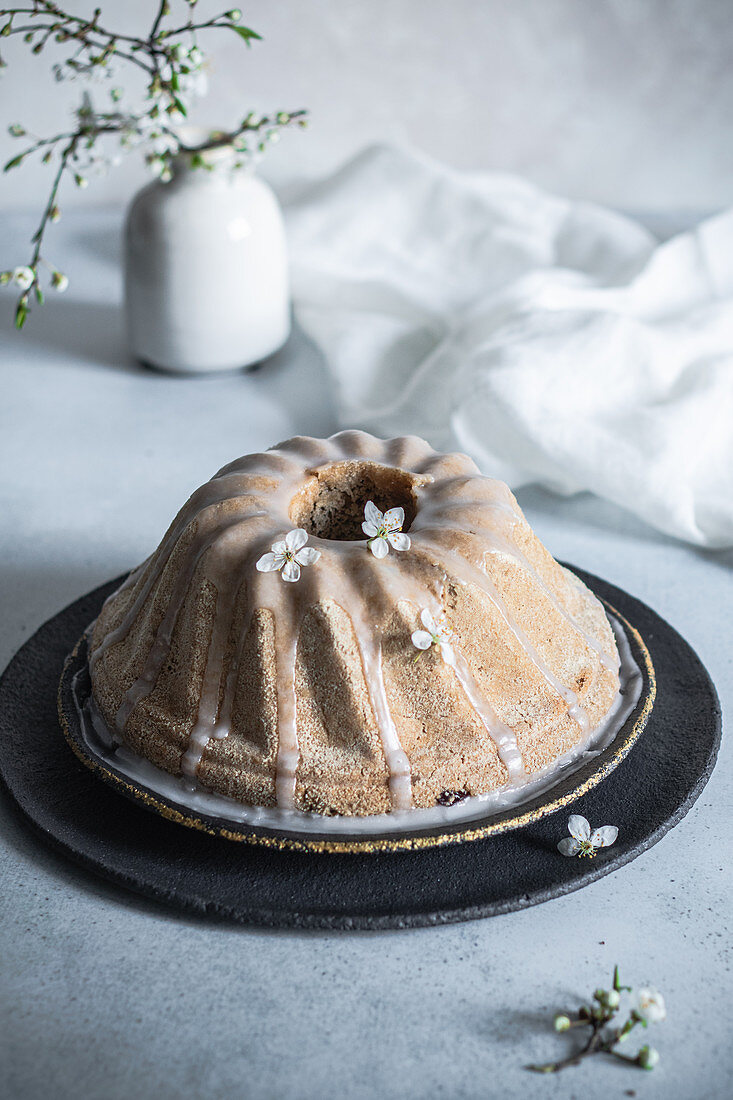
(352, 626)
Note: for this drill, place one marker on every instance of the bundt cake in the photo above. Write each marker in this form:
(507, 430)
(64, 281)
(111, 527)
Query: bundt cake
(352, 626)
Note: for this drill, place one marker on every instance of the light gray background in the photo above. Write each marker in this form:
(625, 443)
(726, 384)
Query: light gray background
(105, 996)
(624, 101)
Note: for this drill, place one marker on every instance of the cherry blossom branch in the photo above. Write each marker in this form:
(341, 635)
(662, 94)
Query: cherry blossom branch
(175, 76)
(605, 1033)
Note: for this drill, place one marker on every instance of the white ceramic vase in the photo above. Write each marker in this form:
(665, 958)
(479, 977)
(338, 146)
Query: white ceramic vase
(206, 275)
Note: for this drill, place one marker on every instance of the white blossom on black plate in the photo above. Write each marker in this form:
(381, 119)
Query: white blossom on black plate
(583, 842)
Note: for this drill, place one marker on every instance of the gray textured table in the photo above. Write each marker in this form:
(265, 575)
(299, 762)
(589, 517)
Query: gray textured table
(104, 995)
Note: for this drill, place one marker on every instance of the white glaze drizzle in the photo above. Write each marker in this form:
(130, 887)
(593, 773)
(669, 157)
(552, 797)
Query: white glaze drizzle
(403, 587)
(467, 573)
(160, 648)
(455, 514)
(370, 651)
(500, 733)
(225, 574)
(266, 483)
(105, 747)
(288, 746)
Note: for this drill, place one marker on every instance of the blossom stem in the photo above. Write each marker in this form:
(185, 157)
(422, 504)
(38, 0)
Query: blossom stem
(158, 19)
(621, 1057)
(227, 137)
(91, 47)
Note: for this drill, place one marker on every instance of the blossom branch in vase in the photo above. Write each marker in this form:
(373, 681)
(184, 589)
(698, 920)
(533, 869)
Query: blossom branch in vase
(174, 69)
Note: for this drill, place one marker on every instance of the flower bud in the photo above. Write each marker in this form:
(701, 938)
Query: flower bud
(561, 1022)
(59, 281)
(647, 1057)
(235, 15)
(24, 277)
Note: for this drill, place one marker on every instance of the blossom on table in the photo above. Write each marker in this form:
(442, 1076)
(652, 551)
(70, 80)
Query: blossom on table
(650, 1005)
(288, 555)
(384, 529)
(583, 842)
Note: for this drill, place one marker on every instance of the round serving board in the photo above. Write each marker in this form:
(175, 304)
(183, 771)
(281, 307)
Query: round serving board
(645, 785)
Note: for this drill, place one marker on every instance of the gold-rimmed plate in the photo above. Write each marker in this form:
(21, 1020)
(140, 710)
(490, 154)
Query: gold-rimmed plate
(162, 794)
(655, 773)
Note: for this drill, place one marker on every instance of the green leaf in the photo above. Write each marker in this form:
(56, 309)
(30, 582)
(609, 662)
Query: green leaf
(245, 33)
(20, 315)
(39, 295)
(180, 106)
(14, 162)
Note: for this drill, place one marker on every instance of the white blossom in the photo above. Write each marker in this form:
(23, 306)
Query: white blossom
(289, 555)
(158, 166)
(436, 632)
(192, 85)
(583, 842)
(164, 143)
(650, 1004)
(143, 124)
(384, 529)
(59, 281)
(24, 277)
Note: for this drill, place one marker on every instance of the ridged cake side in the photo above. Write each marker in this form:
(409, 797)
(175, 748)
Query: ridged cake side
(310, 695)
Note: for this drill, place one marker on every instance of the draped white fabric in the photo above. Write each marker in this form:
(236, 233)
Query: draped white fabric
(555, 342)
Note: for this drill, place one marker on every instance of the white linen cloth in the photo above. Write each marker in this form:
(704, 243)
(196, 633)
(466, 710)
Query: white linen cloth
(555, 342)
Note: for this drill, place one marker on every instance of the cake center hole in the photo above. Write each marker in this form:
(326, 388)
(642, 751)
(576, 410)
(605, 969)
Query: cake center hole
(331, 505)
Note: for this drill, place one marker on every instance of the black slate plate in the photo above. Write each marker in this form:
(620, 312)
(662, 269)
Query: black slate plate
(648, 793)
